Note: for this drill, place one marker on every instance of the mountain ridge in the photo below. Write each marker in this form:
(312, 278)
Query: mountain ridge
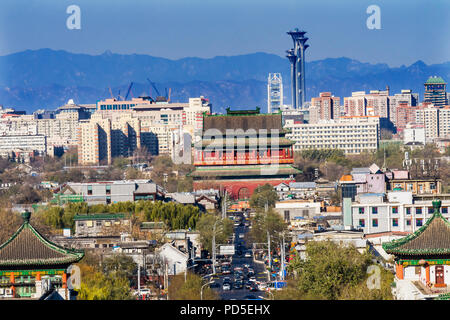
(47, 78)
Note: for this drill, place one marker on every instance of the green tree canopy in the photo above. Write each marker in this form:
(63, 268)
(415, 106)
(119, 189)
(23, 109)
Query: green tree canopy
(205, 225)
(333, 271)
(263, 195)
(189, 290)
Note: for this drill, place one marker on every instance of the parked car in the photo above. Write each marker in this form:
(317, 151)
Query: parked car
(248, 254)
(226, 286)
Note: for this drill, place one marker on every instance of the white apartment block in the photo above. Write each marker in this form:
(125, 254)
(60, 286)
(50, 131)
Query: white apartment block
(399, 212)
(26, 143)
(353, 135)
(414, 133)
(436, 122)
(59, 131)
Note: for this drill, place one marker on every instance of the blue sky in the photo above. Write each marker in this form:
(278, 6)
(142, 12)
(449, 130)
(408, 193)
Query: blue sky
(410, 30)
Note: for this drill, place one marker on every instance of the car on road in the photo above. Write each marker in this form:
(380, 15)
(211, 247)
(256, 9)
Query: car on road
(226, 286)
(241, 235)
(226, 269)
(252, 279)
(238, 284)
(246, 265)
(248, 254)
(143, 291)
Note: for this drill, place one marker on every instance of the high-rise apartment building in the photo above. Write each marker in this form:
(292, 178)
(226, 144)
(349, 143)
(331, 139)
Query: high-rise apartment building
(406, 97)
(375, 103)
(435, 91)
(435, 120)
(404, 114)
(324, 107)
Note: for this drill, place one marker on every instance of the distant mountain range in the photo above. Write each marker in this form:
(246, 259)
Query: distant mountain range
(46, 79)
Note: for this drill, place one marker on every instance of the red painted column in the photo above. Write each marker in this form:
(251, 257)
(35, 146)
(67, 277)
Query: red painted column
(12, 279)
(64, 280)
(399, 271)
(427, 273)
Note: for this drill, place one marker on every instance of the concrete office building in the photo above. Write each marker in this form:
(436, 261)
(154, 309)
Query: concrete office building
(353, 135)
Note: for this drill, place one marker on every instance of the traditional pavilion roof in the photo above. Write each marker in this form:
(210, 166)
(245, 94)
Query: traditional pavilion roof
(249, 170)
(27, 247)
(433, 238)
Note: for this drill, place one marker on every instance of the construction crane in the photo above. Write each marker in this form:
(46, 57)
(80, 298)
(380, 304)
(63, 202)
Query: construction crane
(154, 87)
(110, 91)
(129, 90)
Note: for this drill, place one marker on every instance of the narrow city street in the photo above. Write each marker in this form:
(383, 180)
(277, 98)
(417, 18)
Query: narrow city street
(240, 262)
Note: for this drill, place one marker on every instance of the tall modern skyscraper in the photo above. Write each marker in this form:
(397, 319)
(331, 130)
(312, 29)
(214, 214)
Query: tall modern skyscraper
(435, 91)
(274, 92)
(299, 39)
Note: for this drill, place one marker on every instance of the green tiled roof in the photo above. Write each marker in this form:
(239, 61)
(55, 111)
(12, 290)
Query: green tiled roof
(99, 216)
(433, 80)
(433, 238)
(27, 247)
(213, 171)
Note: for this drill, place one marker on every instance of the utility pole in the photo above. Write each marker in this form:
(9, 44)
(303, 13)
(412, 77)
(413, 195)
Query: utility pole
(283, 258)
(270, 259)
(139, 279)
(214, 248)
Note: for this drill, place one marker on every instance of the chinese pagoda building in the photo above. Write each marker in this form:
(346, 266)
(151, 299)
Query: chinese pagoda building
(424, 256)
(31, 266)
(242, 150)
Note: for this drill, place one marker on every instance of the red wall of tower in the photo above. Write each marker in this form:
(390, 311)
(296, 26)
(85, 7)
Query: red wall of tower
(233, 187)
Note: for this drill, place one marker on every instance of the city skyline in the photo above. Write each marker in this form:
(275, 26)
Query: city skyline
(232, 28)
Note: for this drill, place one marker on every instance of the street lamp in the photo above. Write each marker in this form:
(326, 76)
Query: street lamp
(214, 246)
(201, 290)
